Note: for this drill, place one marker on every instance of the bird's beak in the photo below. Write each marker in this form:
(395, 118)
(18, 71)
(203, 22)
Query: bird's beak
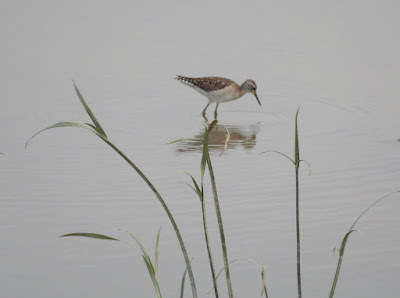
(255, 94)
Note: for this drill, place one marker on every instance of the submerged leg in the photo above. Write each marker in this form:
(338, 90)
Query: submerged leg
(216, 111)
(204, 111)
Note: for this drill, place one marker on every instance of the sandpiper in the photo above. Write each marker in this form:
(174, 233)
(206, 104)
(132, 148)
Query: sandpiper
(219, 90)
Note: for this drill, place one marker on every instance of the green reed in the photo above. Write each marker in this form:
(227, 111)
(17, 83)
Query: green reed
(296, 162)
(346, 237)
(97, 129)
(198, 188)
(206, 161)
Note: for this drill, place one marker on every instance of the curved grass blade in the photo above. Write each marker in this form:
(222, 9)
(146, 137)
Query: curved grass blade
(166, 209)
(274, 151)
(196, 188)
(309, 166)
(89, 112)
(140, 173)
(64, 124)
(90, 235)
(345, 238)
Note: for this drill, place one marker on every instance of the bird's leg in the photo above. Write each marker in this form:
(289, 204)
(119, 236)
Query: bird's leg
(216, 111)
(204, 111)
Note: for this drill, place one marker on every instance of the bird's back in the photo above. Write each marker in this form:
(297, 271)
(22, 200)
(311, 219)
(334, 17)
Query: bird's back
(206, 84)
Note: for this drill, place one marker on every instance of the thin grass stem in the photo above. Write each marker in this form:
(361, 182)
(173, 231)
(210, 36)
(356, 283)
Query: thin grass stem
(210, 258)
(221, 227)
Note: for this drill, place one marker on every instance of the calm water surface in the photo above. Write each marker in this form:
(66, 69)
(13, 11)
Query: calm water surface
(338, 61)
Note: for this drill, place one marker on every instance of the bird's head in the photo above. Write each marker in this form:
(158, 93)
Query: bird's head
(251, 87)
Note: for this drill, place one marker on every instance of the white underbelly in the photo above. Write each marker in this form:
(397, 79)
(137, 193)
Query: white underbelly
(219, 96)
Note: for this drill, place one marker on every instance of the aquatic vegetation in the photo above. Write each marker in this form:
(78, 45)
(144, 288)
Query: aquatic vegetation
(198, 187)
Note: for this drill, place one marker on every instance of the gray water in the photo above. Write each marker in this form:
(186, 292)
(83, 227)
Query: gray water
(339, 61)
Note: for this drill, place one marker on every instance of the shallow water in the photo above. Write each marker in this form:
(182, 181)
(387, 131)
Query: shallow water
(334, 60)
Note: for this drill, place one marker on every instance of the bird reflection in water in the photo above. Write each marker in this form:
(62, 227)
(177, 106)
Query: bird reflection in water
(242, 137)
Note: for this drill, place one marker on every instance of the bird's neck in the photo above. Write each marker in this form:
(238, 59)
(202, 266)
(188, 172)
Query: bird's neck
(242, 90)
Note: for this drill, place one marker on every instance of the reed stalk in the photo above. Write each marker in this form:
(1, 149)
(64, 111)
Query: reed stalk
(97, 129)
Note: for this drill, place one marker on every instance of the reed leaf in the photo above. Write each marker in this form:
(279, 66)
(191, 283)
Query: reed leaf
(98, 130)
(64, 124)
(345, 238)
(152, 268)
(280, 153)
(89, 112)
(90, 235)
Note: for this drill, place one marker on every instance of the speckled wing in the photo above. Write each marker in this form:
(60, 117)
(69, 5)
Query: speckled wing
(207, 83)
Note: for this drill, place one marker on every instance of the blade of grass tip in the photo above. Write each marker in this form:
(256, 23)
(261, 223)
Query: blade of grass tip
(197, 190)
(183, 281)
(89, 111)
(90, 235)
(370, 206)
(156, 253)
(149, 264)
(296, 145)
(153, 277)
(63, 124)
(205, 148)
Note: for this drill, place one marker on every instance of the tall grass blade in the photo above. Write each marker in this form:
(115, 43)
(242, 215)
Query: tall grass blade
(296, 161)
(345, 238)
(297, 164)
(89, 112)
(220, 226)
(98, 130)
(90, 235)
